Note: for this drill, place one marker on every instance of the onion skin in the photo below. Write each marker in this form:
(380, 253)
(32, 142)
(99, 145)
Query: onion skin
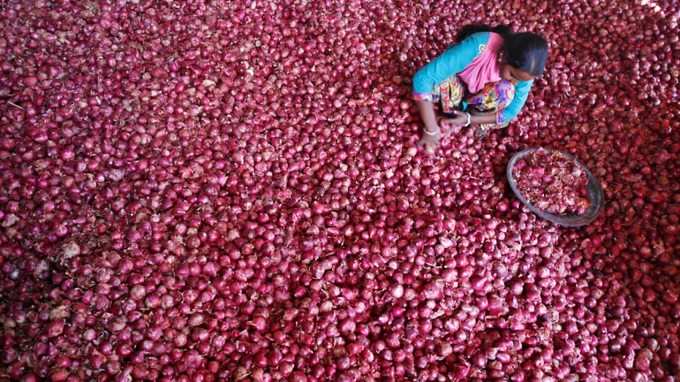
(230, 191)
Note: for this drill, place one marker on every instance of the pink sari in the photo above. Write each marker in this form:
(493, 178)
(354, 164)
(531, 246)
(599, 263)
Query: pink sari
(484, 68)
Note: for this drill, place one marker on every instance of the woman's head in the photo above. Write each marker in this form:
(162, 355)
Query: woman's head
(524, 56)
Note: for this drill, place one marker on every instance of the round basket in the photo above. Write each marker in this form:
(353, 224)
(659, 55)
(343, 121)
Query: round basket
(595, 194)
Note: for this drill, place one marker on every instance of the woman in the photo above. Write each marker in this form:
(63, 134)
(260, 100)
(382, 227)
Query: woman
(484, 80)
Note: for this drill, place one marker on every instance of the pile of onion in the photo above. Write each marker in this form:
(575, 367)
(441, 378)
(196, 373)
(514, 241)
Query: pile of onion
(228, 190)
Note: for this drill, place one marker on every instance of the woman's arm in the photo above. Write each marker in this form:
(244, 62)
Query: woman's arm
(522, 90)
(483, 118)
(426, 110)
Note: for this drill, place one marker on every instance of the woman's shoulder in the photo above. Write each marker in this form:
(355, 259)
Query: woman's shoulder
(479, 37)
(477, 41)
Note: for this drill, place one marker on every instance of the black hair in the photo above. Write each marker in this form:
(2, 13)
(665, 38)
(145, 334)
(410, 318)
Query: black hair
(525, 50)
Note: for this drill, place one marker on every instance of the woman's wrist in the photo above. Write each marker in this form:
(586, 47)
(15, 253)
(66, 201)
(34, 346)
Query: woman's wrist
(478, 119)
(432, 129)
(431, 132)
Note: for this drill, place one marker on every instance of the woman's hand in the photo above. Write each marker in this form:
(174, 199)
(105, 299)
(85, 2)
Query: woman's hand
(481, 131)
(453, 125)
(430, 140)
(484, 122)
(460, 119)
(431, 134)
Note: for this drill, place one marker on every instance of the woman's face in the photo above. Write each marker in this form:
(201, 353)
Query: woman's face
(514, 75)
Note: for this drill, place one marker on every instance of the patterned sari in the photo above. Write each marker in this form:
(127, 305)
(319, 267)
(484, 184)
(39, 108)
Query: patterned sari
(493, 97)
